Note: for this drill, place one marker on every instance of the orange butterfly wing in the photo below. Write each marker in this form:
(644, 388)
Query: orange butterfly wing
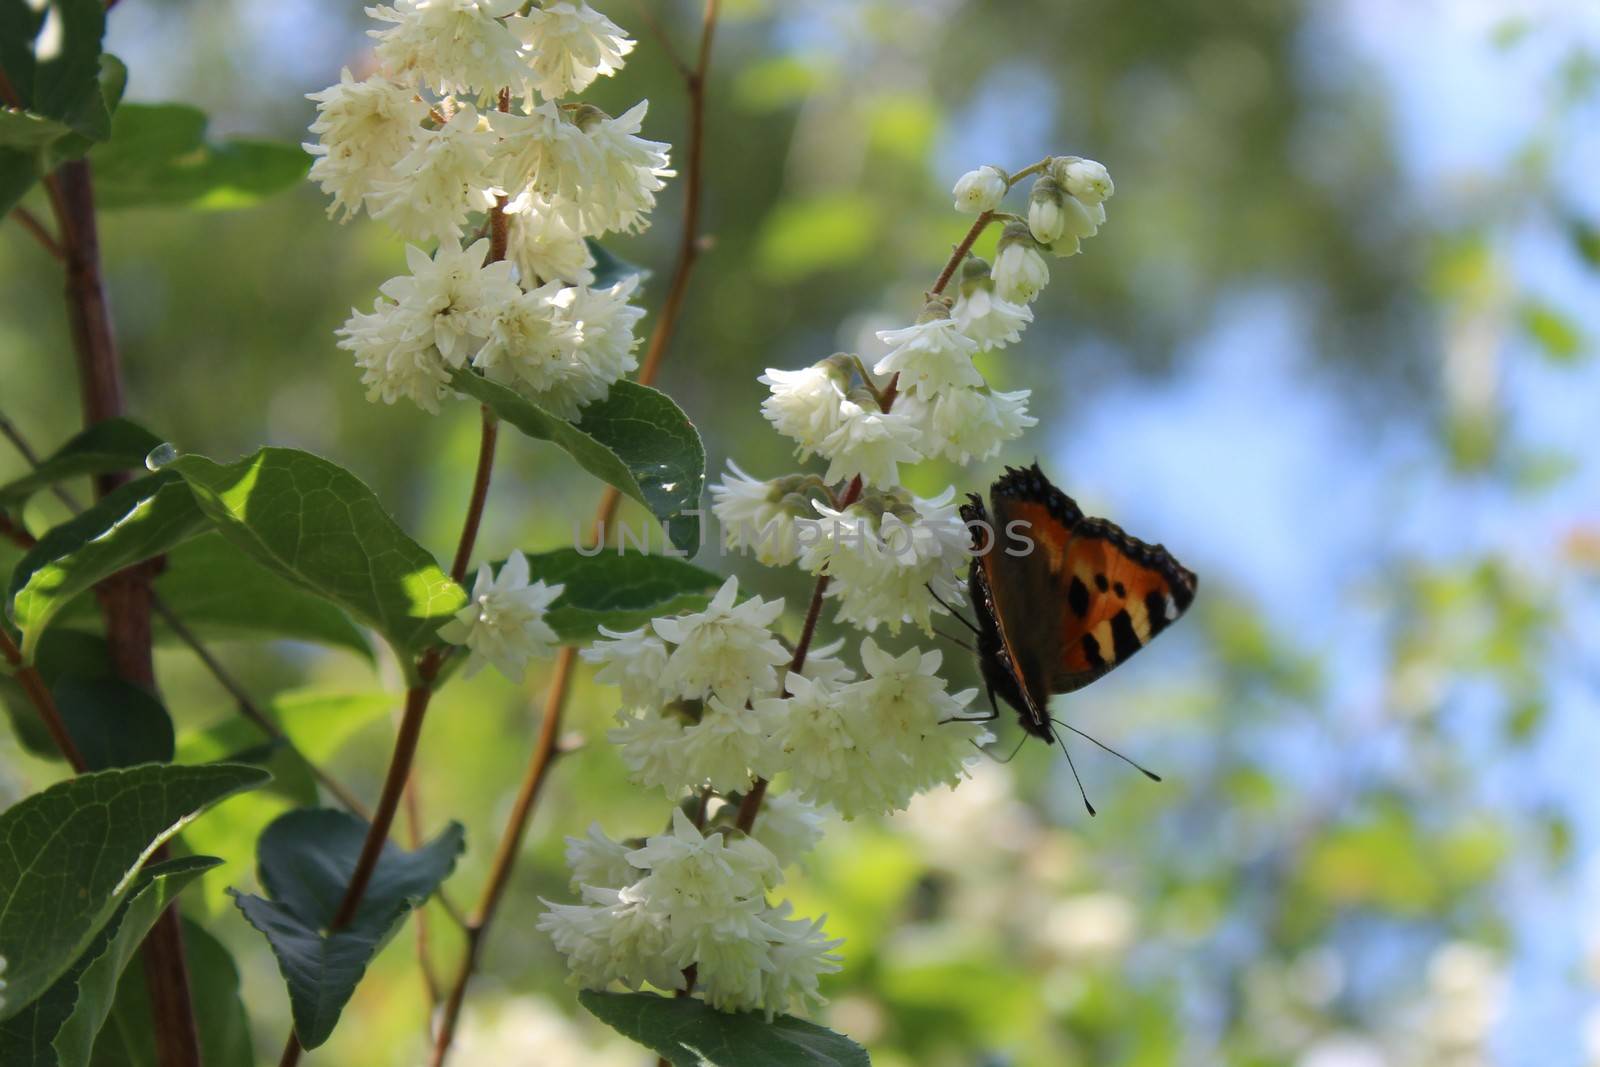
(1085, 599)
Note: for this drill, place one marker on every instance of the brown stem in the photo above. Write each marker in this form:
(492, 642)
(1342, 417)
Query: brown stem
(14, 533)
(39, 693)
(545, 747)
(960, 253)
(31, 223)
(480, 487)
(125, 596)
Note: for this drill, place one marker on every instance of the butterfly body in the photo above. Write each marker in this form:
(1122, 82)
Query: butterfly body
(1061, 599)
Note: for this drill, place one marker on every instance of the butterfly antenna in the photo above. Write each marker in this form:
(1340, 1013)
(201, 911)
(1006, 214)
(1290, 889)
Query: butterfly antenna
(1081, 792)
(1146, 771)
(951, 610)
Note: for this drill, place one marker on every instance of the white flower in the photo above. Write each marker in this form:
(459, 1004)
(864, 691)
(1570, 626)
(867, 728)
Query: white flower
(811, 737)
(906, 713)
(651, 747)
(694, 876)
(929, 357)
(757, 516)
(613, 937)
(801, 955)
(1087, 180)
(720, 749)
(504, 624)
(544, 153)
(449, 300)
(805, 404)
(452, 46)
(882, 562)
(824, 665)
(788, 826)
(1081, 220)
(1019, 270)
(393, 364)
(725, 650)
(543, 245)
(626, 172)
(443, 178)
(526, 1028)
(967, 424)
(363, 128)
(633, 661)
(605, 321)
(569, 46)
(869, 442)
(599, 861)
(979, 190)
(531, 345)
(989, 320)
(1045, 210)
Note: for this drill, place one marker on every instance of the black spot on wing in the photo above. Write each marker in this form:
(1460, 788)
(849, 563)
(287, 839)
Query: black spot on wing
(1119, 589)
(1155, 609)
(1124, 639)
(1091, 652)
(1100, 583)
(1078, 597)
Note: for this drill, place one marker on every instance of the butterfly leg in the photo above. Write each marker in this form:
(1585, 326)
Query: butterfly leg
(994, 713)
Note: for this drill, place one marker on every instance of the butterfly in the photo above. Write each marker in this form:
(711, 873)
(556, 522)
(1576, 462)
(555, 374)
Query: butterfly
(1061, 599)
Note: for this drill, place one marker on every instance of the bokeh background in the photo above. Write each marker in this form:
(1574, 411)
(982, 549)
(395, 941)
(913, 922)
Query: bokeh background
(1335, 347)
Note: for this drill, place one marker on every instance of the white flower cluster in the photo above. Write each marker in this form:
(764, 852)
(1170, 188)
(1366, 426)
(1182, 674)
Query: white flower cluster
(432, 142)
(716, 708)
(686, 898)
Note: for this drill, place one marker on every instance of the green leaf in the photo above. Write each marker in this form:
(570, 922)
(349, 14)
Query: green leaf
(158, 154)
(304, 861)
(690, 1033)
(62, 653)
(50, 53)
(609, 269)
(618, 590)
(318, 723)
(69, 855)
(319, 526)
(58, 1029)
(218, 591)
(214, 986)
(113, 445)
(132, 523)
(635, 439)
(115, 724)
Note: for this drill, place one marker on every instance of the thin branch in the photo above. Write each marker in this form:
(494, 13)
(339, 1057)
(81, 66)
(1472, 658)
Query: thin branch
(13, 532)
(690, 245)
(39, 693)
(34, 226)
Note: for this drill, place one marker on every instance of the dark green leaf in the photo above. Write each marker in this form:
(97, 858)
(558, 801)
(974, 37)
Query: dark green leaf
(635, 439)
(18, 171)
(51, 56)
(58, 1029)
(134, 522)
(69, 854)
(618, 590)
(62, 653)
(609, 269)
(113, 445)
(316, 524)
(214, 985)
(690, 1033)
(304, 862)
(158, 154)
(114, 724)
(218, 591)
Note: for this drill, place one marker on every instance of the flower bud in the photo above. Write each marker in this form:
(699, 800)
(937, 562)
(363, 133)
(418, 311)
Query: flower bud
(1019, 270)
(974, 275)
(1087, 180)
(1045, 219)
(1078, 219)
(979, 190)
